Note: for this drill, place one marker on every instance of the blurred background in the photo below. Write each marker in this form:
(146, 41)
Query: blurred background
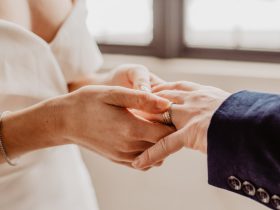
(231, 44)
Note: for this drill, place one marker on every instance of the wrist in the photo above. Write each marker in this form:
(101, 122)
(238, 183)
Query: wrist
(56, 122)
(64, 116)
(31, 129)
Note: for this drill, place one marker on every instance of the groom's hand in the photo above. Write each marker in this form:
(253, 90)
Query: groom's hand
(193, 108)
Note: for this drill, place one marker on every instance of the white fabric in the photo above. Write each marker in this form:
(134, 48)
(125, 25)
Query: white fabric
(32, 70)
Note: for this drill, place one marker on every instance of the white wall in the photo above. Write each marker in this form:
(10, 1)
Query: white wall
(181, 183)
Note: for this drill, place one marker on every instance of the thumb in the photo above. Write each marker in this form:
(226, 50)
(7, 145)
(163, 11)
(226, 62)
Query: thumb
(162, 149)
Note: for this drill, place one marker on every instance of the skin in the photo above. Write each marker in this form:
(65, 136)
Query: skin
(82, 118)
(96, 112)
(192, 111)
(132, 76)
(43, 17)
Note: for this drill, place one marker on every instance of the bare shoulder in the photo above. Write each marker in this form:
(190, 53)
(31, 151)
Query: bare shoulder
(43, 17)
(47, 16)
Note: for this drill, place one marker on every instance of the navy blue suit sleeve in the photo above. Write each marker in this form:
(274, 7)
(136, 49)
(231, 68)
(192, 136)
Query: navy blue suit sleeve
(244, 147)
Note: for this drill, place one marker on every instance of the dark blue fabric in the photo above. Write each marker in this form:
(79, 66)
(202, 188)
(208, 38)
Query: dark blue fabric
(244, 141)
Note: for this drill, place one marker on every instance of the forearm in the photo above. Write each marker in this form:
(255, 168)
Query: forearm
(30, 129)
(92, 79)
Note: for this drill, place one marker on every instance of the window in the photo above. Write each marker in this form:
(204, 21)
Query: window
(233, 24)
(121, 21)
(214, 29)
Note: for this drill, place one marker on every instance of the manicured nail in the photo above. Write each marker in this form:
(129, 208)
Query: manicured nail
(145, 88)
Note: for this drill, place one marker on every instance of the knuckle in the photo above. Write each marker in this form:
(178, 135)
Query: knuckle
(108, 93)
(85, 92)
(199, 96)
(147, 156)
(195, 96)
(148, 99)
(178, 99)
(179, 84)
(165, 93)
(163, 145)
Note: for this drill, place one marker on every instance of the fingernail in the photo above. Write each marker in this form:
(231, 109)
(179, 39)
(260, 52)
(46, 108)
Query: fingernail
(145, 88)
(170, 104)
(136, 163)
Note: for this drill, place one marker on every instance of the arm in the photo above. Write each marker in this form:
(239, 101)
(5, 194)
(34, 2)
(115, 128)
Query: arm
(243, 146)
(30, 129)
(84, 117)
(243, 137)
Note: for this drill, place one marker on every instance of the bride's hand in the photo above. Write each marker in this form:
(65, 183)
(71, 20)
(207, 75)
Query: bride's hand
(193, 108)
(97, 118)
(133, 76)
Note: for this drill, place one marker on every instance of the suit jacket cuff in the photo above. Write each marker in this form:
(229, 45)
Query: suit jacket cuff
(244, 142)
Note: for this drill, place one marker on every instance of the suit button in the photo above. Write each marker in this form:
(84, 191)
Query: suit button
(234, 183)
(275, 200)
(248, 188)
(263, 196)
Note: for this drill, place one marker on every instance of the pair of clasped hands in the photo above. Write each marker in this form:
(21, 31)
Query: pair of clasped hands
(123, 119)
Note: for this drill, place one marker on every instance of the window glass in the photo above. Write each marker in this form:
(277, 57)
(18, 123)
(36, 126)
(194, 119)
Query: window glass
(127, 22)
(233, 24)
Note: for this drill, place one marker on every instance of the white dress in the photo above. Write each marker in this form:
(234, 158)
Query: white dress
(32, 70)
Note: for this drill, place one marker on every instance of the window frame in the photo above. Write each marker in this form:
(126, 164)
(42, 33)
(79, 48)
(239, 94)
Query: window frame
(168, 40)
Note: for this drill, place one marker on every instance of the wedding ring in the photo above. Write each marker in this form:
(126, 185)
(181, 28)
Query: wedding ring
(167, 116)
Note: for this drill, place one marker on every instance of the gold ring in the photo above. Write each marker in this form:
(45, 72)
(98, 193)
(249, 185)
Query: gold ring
(167, 116)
